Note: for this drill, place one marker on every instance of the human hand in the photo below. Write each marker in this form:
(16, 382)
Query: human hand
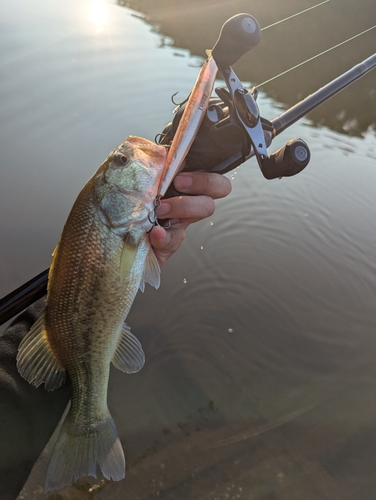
(204, 187)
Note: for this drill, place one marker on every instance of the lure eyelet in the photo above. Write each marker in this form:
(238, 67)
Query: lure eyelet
(153, 216)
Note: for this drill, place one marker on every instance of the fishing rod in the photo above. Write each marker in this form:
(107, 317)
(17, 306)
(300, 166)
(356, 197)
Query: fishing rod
(216, 134)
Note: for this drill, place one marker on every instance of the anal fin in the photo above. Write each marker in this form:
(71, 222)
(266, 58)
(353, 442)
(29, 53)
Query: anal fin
(129, 356)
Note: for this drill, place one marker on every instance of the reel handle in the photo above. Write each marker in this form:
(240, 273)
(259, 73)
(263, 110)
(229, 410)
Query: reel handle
(238, 35)
(289, 160)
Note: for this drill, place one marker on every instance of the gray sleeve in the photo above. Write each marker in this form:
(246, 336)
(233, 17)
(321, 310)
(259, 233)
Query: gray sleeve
(28, 415)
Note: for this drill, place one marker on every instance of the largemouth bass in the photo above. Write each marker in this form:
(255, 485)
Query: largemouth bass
(101, 260)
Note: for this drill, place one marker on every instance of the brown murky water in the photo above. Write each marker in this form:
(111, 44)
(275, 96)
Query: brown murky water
(260, 344)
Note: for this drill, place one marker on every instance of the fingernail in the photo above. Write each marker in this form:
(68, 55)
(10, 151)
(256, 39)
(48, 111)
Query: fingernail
(164, 208)
(183, 181)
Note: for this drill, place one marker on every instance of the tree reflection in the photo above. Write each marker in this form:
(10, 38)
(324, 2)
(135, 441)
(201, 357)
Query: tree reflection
(194, 25)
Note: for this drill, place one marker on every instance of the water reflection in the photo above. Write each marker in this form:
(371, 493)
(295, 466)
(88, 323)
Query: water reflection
(196, 26)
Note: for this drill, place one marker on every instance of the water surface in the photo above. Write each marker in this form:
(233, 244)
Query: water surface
(260, 344)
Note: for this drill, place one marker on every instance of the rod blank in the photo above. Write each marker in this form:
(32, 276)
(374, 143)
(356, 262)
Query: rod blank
(292, 115)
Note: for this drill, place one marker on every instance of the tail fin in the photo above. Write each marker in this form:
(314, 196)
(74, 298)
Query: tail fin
(78, 452)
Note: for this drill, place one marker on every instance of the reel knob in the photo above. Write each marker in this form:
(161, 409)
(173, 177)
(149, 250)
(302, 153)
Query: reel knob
(289, 160)
(299, 153)
(238, 35)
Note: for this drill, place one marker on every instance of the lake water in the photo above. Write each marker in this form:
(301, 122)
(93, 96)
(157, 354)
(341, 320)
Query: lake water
(260, 377)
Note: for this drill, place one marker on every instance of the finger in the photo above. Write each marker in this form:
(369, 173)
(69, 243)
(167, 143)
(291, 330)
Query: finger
(193, 208)
(165, 243)
(157, 237)
(203, 183)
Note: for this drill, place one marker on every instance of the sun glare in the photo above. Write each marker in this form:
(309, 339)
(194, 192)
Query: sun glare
(99, 14)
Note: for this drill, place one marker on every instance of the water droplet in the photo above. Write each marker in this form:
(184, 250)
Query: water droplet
(185, 280)
(211, 223)
(202, 247)
(230, 330)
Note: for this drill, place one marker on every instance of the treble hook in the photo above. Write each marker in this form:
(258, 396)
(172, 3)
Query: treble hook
(178, 104)
(154, 219)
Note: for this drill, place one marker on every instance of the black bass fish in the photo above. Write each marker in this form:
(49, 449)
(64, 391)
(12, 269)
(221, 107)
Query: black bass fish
(101, 260)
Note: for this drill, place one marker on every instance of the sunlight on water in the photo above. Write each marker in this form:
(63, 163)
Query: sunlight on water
(99, 14)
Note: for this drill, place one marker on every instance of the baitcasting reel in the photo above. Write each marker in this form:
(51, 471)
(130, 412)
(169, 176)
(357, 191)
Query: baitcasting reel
(232, 129)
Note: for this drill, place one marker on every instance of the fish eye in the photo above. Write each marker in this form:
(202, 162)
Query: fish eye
(121, 159)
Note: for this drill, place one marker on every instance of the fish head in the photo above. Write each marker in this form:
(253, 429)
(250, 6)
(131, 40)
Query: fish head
(136, 166)
(127, 184)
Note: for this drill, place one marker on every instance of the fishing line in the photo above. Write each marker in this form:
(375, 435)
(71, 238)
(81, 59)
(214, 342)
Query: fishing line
(317, 55)
(294, 15)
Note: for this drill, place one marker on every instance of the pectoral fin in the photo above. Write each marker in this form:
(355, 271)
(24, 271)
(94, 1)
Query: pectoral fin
(127, 258)
(152, 271)
(35, 360)
(129, 356)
